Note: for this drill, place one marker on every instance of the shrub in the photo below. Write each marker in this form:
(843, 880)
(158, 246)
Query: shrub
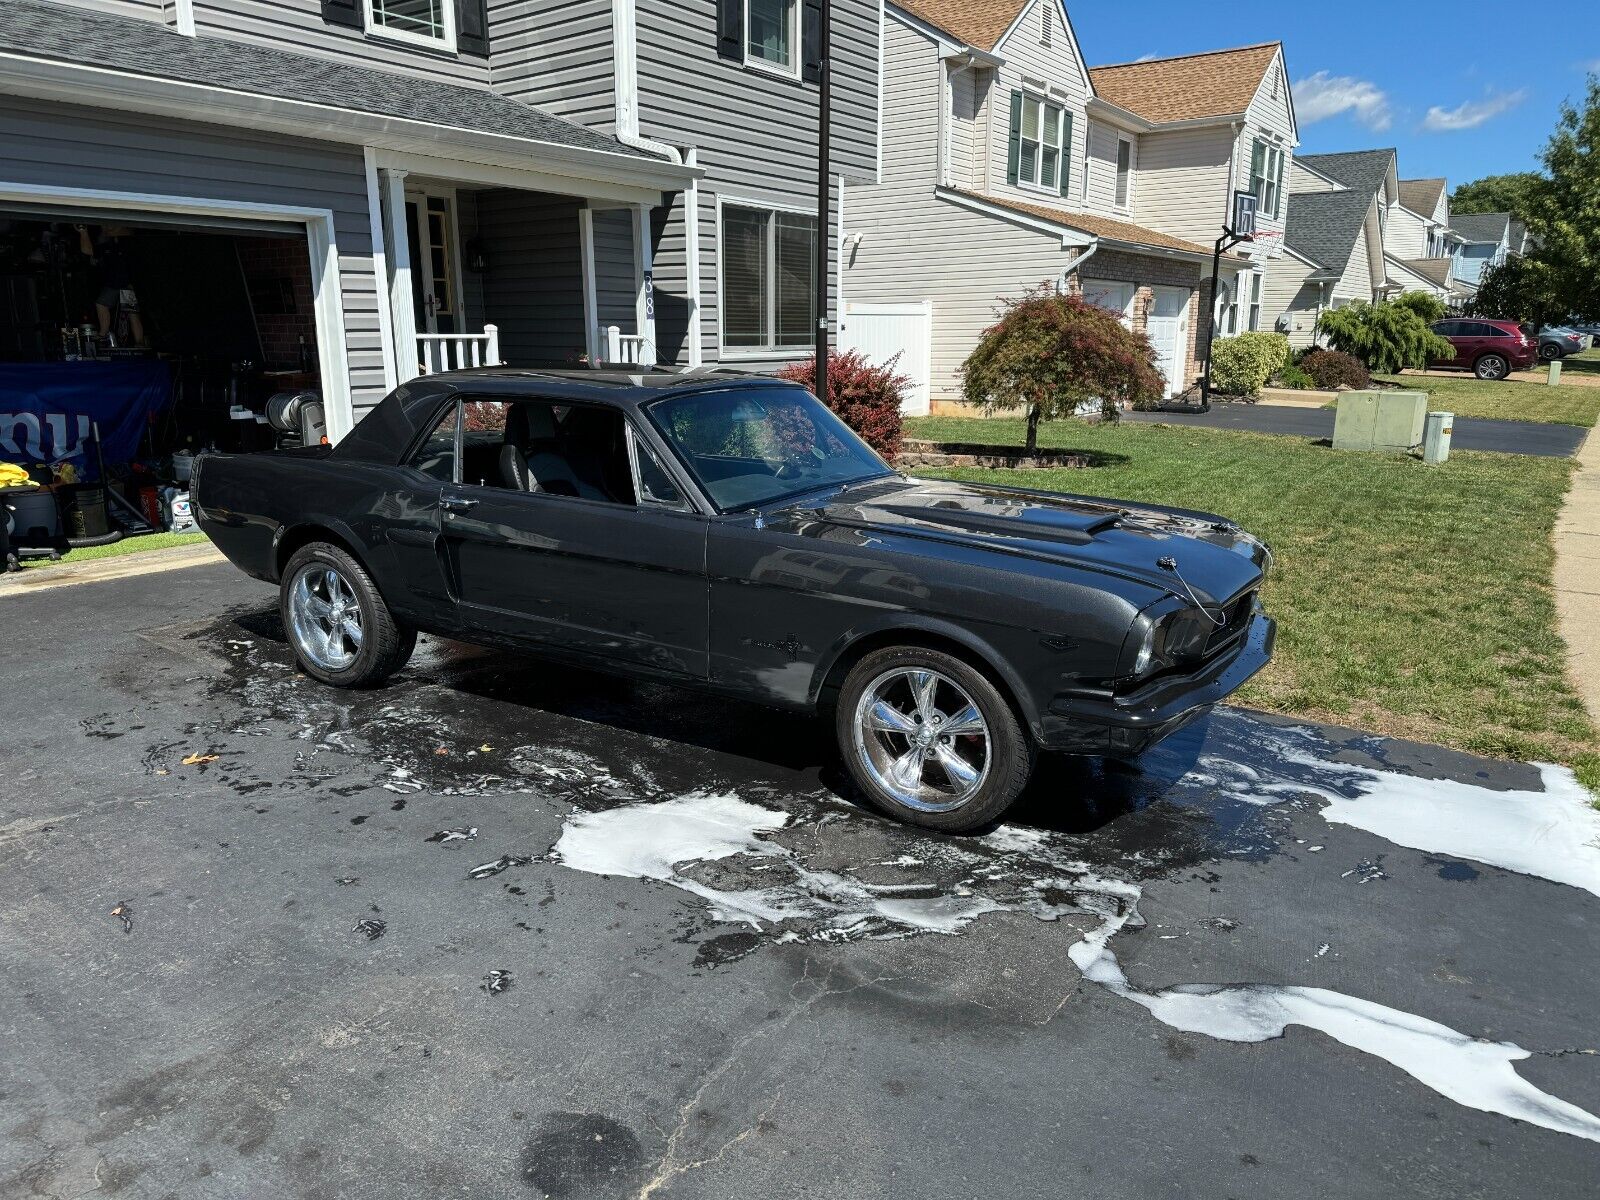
(1426, 305)
(1056, 355)
(866, 398)
(1335, 369)
(1386, 336)
(1294, 377)
(1241, 366)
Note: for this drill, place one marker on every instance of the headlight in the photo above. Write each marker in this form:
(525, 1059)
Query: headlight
(1147, 651)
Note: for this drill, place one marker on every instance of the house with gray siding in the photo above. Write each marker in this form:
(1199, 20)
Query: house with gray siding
(1009, 164)
(1485, 241)
(471, 180)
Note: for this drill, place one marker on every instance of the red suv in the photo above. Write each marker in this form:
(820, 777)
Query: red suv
(1489, 349)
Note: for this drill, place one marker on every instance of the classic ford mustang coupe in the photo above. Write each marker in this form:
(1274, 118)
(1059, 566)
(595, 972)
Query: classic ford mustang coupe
(730, 532)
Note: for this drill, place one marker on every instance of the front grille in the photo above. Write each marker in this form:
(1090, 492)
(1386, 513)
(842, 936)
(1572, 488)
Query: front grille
(1236, 618)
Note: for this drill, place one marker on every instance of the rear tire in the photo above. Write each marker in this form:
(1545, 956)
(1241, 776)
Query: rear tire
(1550, 353)
(1491, 366)
(894, 709)
(341, 631)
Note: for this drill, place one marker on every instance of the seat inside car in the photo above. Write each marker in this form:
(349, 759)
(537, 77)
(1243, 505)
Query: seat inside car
(576, 451)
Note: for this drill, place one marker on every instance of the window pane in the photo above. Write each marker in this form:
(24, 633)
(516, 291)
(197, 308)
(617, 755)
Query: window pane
(436, 457)
(797, 293)
(483, 432)
(1052, 125)
(655, 486)
(1124, 154)
(425, 18)
(1030, 118)
(771, 31)
(744, 277)
(1029, 168)
(1049, 165)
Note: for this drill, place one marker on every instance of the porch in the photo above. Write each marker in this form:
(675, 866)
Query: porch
(490, 267)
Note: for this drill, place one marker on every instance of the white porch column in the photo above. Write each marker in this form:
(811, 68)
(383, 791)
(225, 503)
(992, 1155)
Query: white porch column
(691, 254)
(644, 277)
(591, 306)
(403, 316)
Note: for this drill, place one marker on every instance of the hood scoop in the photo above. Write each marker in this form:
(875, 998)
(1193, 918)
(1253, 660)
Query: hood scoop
(1055, 523)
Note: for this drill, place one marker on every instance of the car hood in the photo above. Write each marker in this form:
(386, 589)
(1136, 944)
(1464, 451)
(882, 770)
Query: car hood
(1214, 557)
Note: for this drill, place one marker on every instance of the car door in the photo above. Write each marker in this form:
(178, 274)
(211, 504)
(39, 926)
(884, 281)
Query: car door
(411, 519)
(616, 576)
(1451, 332)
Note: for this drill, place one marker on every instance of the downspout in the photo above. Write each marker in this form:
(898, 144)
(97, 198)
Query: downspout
(947, 81)
(625, 81)
(1067, 271)
(691, 254)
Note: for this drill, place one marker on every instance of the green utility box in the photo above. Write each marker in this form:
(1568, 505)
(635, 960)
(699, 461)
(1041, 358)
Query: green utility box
(1380, 419)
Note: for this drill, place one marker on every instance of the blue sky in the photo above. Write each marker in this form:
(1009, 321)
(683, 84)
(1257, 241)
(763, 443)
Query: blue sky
(1463, 89)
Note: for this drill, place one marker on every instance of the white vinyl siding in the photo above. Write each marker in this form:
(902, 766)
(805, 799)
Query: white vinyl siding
(1033, 66)
(1183, 182)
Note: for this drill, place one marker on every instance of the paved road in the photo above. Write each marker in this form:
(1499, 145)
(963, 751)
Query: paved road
(906, 1018)
(1508, 437)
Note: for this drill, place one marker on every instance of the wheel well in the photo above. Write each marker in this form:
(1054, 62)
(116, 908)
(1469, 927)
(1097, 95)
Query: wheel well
(883, 639)
(303, 535)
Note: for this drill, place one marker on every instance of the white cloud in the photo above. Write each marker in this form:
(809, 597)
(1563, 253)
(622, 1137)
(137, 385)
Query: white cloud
(1469, 114)
(1320, 96)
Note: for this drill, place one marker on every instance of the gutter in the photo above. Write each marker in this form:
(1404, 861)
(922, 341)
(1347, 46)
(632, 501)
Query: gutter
(74, 83)
(1077, 261)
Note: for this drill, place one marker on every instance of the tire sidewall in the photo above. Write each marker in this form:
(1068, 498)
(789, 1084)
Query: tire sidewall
(361, 670)
(1505, 368)
(1010, 749)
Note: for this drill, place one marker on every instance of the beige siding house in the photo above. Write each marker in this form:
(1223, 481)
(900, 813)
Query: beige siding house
(1006, 168)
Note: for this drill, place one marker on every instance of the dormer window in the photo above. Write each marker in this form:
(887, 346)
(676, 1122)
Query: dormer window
(420, 22)
(1041, 143)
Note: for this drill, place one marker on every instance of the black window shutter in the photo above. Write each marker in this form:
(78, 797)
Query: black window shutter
(342, 12)
(811, 41)
(472, 26)
(730, 29)
(1014, 146)
(1066, 154)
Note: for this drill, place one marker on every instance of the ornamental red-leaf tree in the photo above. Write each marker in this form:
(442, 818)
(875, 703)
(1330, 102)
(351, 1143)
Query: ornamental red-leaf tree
(1059, 356)
(865, 397)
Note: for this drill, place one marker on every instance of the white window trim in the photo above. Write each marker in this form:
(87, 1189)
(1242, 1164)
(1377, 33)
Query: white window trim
(797, 53)
(1063, 147)
(1126, 203)
(406, 37)
(1253, 298)
(725, 353)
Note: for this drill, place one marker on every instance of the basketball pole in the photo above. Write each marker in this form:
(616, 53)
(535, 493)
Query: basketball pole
(1227, 241)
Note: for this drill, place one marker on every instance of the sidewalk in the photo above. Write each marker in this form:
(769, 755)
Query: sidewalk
(94, 570)
(1577, 574)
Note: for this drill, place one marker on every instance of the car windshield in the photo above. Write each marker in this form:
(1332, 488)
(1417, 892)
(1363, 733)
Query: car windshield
(752, 446)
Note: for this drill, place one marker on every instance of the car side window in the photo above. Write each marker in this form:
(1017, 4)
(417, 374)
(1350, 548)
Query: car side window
(436, 457)
(651, 481)
(548, 447)
(1448, 328)
(1484, 329)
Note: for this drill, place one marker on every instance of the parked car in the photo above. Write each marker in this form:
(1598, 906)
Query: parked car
(1557, 341)
(1589, 329)
(1489, 349)
(732, 533)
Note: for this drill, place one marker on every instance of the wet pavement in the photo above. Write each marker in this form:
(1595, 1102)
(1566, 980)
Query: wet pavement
(499, 929)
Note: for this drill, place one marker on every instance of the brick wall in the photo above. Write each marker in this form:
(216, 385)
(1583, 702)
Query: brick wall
(278, 274)
(1146, 272)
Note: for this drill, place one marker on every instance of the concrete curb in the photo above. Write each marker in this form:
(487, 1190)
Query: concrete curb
(36, 579)
(1577, 574)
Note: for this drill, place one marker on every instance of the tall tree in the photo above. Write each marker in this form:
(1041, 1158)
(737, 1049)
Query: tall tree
(1497, 193)
(1560, 277)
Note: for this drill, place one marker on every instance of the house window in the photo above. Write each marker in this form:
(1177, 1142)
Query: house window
(1124, 169)
(772, 34)
(1253, 309)
(1266, 176)
(769, 295)
(1227, 308)
(1045, 130)
(423, 22)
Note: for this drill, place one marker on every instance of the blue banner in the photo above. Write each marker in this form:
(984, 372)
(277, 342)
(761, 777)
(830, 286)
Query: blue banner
(48, 410)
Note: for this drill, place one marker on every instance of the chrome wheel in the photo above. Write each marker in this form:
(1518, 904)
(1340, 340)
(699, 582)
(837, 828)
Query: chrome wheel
(1492, 366)
(324, 616)
(921, 739)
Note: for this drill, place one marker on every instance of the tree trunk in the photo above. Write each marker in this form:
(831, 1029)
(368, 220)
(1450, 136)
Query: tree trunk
(1032, 448)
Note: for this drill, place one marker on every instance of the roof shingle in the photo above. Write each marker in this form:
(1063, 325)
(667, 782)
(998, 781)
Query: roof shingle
(1189, 87)
(1363, 170)
(1421, 196)
(1095, 226)
(1481, 227)
(1324, 226)
(979, 23)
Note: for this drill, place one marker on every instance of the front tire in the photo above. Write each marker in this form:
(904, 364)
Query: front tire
(930, 740)
(1491, 366)
(341, 630)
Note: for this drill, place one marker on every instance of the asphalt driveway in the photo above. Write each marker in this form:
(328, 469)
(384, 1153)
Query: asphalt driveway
(497, 930)
(1469, 433)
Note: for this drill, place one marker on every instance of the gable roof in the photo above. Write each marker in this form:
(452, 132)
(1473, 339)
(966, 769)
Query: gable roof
(1216, 83)
(1362, 170)
(1324, 226)
(1421, 196)
(1101, 227)
(1481, 227)
(1435, 270)
(138, 46)
(979, 23)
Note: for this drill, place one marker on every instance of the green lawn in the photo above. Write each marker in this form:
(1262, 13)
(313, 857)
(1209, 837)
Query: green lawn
(1412, 600)
(1510, 399)
(131, 545)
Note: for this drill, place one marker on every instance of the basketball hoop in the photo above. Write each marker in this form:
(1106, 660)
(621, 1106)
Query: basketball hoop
(1268, 243)
(1243, 224)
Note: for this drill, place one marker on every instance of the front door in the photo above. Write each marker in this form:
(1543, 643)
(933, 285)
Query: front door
(562, 551)
(1168, 329)
(435, 278)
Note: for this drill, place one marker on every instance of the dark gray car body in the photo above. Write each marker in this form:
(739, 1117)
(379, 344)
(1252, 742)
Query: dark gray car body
(1051, 593)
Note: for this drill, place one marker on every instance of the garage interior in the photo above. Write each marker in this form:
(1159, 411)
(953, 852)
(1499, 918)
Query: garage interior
(130, 342)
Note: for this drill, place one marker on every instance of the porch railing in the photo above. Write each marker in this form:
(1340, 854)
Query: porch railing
(628, 349)
(457, 351)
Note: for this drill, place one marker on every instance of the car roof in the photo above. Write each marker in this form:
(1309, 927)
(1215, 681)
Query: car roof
(610, 386)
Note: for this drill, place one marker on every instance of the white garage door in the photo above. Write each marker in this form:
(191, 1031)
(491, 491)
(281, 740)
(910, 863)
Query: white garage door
(1168, 329)
(1112, 295)
(882, 331)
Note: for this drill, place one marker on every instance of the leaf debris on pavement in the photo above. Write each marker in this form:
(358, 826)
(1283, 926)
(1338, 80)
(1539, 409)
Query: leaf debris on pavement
(369, 928)
(124, 912)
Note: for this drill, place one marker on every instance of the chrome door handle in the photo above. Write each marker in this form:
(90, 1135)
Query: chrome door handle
(456, 503)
